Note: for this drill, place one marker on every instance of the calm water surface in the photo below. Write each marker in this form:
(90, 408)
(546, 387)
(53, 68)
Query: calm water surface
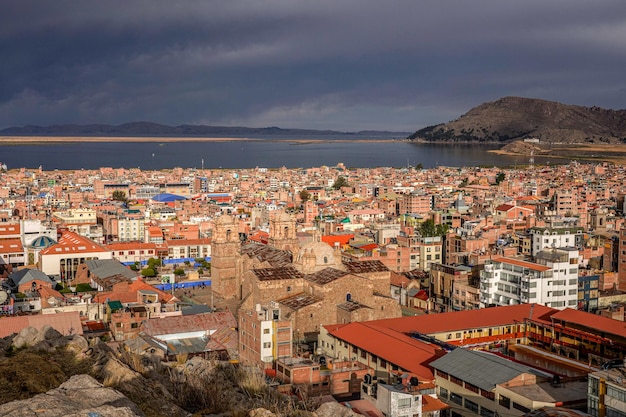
(250, 154)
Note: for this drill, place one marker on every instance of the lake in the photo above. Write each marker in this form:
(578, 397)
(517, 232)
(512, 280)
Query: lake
(250, 154)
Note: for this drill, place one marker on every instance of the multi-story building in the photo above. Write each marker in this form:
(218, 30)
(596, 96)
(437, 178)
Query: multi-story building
(61, 260)
(556, 237)
(336, 378)
(476, 383)
(607, 392)
(588, 292)
(445, 280)
(414, 203)
(553, 281)
(621, 259)
(264, 337)
(128, 228)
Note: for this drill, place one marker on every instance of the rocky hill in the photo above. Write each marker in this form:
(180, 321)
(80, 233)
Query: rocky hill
(514, 118)
(46, 374)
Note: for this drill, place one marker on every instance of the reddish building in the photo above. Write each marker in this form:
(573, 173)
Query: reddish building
(332, 378)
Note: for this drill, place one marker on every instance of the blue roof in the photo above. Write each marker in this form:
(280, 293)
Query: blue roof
(42, 242)
(168, 198)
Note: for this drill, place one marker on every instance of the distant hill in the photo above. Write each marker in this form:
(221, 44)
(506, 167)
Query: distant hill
(147, 129)
(512, 118)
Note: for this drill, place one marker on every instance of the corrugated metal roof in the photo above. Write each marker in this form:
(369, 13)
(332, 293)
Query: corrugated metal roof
(104, 268)
(482, 369)
(26, 275)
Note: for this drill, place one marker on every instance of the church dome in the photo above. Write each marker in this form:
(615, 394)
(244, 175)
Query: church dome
(42, 242)
(315, 256)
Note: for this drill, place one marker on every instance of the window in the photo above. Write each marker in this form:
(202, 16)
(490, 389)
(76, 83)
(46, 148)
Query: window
(455, 398)
(485, 412)
(267, 345)
(471, 405)
(504, 401)
(520, 407)
(443, 393)
(266, 331)
(404, 402)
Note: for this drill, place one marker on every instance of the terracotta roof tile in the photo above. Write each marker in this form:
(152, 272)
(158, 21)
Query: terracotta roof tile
(74, 243)
(592, 321)
(469, 319)
(409, 354)
(11, 246)
(524, 264)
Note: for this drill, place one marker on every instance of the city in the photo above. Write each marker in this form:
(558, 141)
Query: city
(392, 291)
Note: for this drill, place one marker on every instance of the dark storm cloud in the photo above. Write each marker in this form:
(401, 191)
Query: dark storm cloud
(352, 64)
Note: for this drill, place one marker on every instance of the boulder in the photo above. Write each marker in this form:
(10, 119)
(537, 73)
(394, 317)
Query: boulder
(81, 395)
(333, 409)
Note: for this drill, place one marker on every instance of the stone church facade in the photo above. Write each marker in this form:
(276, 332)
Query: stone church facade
(310, 283)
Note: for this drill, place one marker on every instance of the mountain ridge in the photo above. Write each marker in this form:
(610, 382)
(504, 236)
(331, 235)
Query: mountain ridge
(139, 129)
(514, 118)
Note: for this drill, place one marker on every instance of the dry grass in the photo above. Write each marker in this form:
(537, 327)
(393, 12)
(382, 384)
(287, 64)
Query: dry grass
(28, 372)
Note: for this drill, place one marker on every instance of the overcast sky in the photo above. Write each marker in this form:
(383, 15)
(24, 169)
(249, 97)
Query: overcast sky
(320, 64)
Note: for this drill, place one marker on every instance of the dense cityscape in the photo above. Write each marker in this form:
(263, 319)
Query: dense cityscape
(391, 291)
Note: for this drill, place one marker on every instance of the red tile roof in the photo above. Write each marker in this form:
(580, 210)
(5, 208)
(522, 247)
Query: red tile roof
(11, 246)
(469, 319)
(74, 243)
(10, 229)
(530, 265)
(120, 246)
(430, 403)
(592, 321)
(504, 207)
(409, 354)
(127, 293)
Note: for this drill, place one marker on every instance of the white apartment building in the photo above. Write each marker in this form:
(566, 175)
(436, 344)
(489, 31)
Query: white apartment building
(552, 281)
(555, 237)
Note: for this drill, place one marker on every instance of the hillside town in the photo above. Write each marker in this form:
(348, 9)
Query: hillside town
(443, 292)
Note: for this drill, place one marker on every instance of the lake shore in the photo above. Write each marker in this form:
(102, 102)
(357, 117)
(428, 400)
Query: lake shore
(614, 153)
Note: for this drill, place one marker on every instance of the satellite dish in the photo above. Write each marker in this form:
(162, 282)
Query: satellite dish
(3, 296)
